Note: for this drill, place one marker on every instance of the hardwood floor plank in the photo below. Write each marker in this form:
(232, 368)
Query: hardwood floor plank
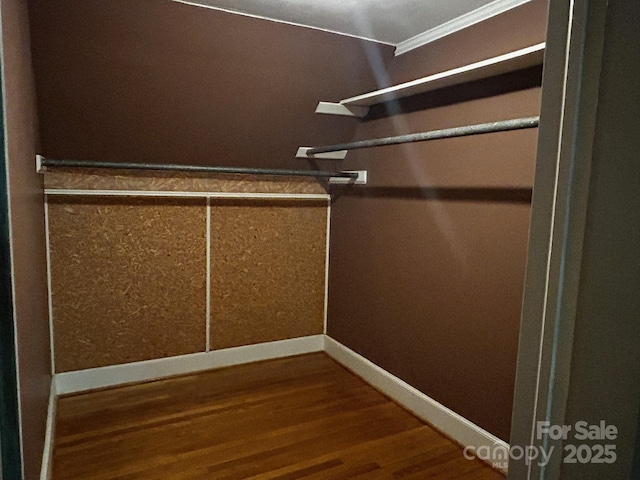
(196, 434)
(385, 451)
(301, 417)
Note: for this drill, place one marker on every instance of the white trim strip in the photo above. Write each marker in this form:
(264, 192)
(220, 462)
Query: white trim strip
(134, 193)
(460, 23)
(442, 418)
(47, 453)
(326, 268)
(49, 284)
(553, 272)
(208, 279)
(260, 17)
(94, 378)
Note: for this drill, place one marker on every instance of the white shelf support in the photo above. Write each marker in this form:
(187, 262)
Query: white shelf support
(329, 108)
(361, 180)
(302, 153)
(39, 167)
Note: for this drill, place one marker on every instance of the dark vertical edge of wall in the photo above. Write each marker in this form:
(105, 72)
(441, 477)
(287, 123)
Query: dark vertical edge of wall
(427, 261)
(26, 207)
(604, 382)
(10, 467)
(635, 469)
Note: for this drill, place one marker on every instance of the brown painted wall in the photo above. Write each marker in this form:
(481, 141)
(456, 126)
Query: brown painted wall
(159, 81)
(27, 236)
(427, 261)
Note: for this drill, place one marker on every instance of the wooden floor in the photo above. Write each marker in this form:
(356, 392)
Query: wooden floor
(301, 417)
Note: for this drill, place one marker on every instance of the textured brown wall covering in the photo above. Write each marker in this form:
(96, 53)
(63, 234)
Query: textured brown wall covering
(128, 279)
(129, 274)
(28, 234)
(268, 271)
(427, 261)
(101, 179)
(160, 81)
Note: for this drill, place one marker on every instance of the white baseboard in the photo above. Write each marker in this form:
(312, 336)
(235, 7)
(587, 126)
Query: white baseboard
(47, 453)
(90, 379)
(447, 421)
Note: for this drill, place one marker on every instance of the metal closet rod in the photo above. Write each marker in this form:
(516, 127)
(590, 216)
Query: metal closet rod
(48, 162)
(501, 126)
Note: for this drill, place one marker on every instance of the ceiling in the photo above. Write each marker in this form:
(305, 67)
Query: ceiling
(392, 21)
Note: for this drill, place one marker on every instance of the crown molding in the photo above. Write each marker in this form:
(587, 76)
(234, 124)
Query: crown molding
(460, 23)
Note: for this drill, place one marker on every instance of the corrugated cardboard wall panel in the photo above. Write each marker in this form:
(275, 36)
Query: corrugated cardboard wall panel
(154, 180)
(267, 271)
(128, 279)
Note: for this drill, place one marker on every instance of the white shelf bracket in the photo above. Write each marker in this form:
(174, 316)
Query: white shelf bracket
(302, 153)
(39, 167)
(330, 108)
(360, 180)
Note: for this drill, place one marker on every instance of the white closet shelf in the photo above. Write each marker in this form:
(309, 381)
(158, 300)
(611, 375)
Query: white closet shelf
(358, 106)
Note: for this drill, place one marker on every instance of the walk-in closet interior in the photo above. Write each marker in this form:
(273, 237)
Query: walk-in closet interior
(198, 190)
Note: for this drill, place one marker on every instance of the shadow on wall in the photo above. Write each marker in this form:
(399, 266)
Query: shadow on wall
(479, 194)
(485, 88)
